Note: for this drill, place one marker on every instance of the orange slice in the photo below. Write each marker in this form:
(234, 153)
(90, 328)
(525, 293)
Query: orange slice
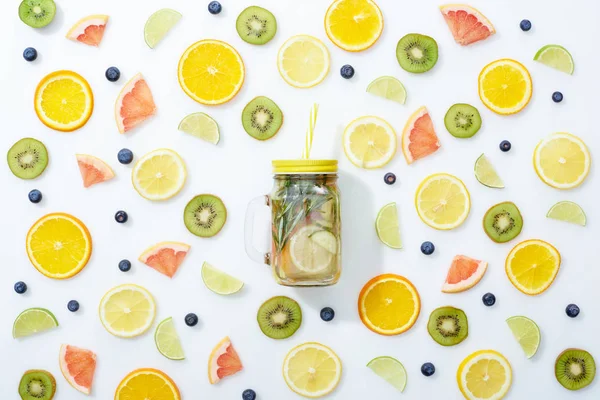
(93, 170)
(418, 137)
(89, 30)
(165, 257)
(532, 266)
(223, 361)
(466, 23)
(505, 86)
(134, 105)
(464, 273)
(147, 384)
(78, 367)
(353, 25)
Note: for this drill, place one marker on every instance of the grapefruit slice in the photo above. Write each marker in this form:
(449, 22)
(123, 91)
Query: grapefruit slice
(89, 30)
(418, 138)
(464, 273)
(466, 23)
(93, 170)
(223, 361)
(165, 257)
(77, 366)
(134, 105)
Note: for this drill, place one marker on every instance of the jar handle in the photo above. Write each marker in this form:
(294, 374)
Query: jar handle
(253, 253)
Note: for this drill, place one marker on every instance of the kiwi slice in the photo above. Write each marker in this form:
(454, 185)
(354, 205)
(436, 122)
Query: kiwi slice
(262, 118)
(37, 384)
(417, 53)
(37, 13)
(503, 222)
(279, 317)
(205, 215)
(448, 326)
(27, 158)
(256, 25)
(575, 369)
(462, 120)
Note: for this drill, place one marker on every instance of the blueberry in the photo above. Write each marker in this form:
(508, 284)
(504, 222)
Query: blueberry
(112, 74)
(505, 145)
(30, 54)
(428, 369)
(389, 178)
(20, 287)
(214, 7)
(124, 265)
(35, 196)
(191, 319)
(347, 71)
(489, 299)
(248, 394)
(121, 217)
(525, 25)
(557, 97)
(572, 310)
(327, 314)
(73, 305)
(125, 156)
(427, 248)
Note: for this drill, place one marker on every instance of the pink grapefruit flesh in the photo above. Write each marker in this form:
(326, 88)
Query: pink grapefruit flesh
(89, 30)
(165, 257)
(134, 105)
(418, 138)
(466, 24)
(93, 170)
(78, 366)
(464, 273)
(224, 361)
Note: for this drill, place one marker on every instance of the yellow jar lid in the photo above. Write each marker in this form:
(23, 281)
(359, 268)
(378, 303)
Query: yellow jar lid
(302, 166)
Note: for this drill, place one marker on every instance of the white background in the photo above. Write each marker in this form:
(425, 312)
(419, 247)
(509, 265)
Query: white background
(238, 169)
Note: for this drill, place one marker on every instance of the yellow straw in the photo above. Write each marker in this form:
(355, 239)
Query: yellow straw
(310, 132)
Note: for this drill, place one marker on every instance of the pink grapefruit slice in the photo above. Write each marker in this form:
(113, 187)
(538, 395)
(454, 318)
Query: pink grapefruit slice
(89, 30)
(134, 105)
(165, 257)
(223, 361)
(466, 23)
(78, 366)
(93, 170)
(464, 273)
(418, 138)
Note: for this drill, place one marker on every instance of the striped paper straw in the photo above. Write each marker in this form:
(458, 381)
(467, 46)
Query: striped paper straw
(310, 132)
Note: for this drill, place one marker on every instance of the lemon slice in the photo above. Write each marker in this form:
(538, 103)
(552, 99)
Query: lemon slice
(485, 374)
(532, 266)
(202, 126)
(326, 240)
(127, 310)
(387, 226)
(220, 282)
(505, 86)
(303, 61)
(556, 57)
(562, 160)
(159, 175)
(486, 174)
(307, 255)
(312, 370)
(389, 88)
(442, 201)
(167, 341)
(391, 370)
(370, 142)
(567, 211)
(527, 334)
(159, 24)
(33, 320)
(353, 25)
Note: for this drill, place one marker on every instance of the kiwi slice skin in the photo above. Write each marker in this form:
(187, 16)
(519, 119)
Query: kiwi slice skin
(503, 222)
(417, 53)
(575, 369)
(27, 158)
(279, 317)
(448, 325)
(37, 384)
(462, 120)
(205, 215)
(37, 13)
(262, 118)
(256, 25)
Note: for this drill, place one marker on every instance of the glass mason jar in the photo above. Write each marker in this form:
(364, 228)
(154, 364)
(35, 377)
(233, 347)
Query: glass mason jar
(305, 223)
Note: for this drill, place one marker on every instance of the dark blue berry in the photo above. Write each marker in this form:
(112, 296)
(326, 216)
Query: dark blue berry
(121, 217)
(191, 319)
(572, 310)
(125, 156)
(557, 97)
(427, 248)
(249, 394)
(525, 25)
(124, 265)
(73, 305)
(30, 54)
(489, 299)
(347, 71)
(505, 145)
(214, 7)
(327, 314)
(112, 74)
(428, 369)
(20, 287)
(389, 178)
(35, 196)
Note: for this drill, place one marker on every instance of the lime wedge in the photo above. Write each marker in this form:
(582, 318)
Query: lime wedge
(387, 226)
(567, 211)
(557, 57)
(159, 24)
(389, 88)
(33, 320)
(486, 174)
(527, 334)
(220, 282)
(167, 341)
(201, 126)
(326, 240)
(391, 370)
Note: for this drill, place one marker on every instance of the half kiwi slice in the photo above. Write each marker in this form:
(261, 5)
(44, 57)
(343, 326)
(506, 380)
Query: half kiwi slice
(279, 317)
(37, 13)
(462, 120)
(27, 158)
(256, 25)
(575, 369)
(417, 53)
(503, 222)
(448, 325)
(205, 215)
(37, 384)
(262, 118)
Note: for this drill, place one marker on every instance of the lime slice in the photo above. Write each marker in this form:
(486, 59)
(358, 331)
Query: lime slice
(567, 211)
(387, 226)
(527, 334)
(159, 24)
(557, 57)
(389, 88)
(391, 370)
(486, 174)
(33, 320)
(201, 126)
(167, 341)
(326, 240)
(220, 282)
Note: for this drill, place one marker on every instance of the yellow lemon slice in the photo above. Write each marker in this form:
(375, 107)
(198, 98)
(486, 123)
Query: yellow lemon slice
(485, 374)
(127, 310)
(370, 142)
(353, 25)
(505, 86)
(312, 370)
(442, 201)
(64, 101)
(159, 175)
(562, 160)
(307, 254)
(532, 266)
(147, 384)
(303, 61)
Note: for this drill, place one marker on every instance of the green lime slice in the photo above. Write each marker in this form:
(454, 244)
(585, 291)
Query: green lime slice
(159, 24)
(167, 341)
(201, 126)
(557, 57)
(33, 320)
(387, 226)
(391, 370)
(527, 334)
(220, 282)
(325, 239)
(567, 211)
(486, 174)
(389, 88)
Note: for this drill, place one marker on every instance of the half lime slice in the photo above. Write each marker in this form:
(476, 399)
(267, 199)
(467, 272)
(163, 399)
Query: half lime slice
(391, 370)
(159, 24)
(202, 126)
(388, 229)
(389, 88)
(567, 211)
(167, 341)
(557, 57)
(486, 174)
(527, 334)
(220, 282)
(32, 321)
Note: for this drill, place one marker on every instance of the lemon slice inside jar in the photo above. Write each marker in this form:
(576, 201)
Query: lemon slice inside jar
(307, 255)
